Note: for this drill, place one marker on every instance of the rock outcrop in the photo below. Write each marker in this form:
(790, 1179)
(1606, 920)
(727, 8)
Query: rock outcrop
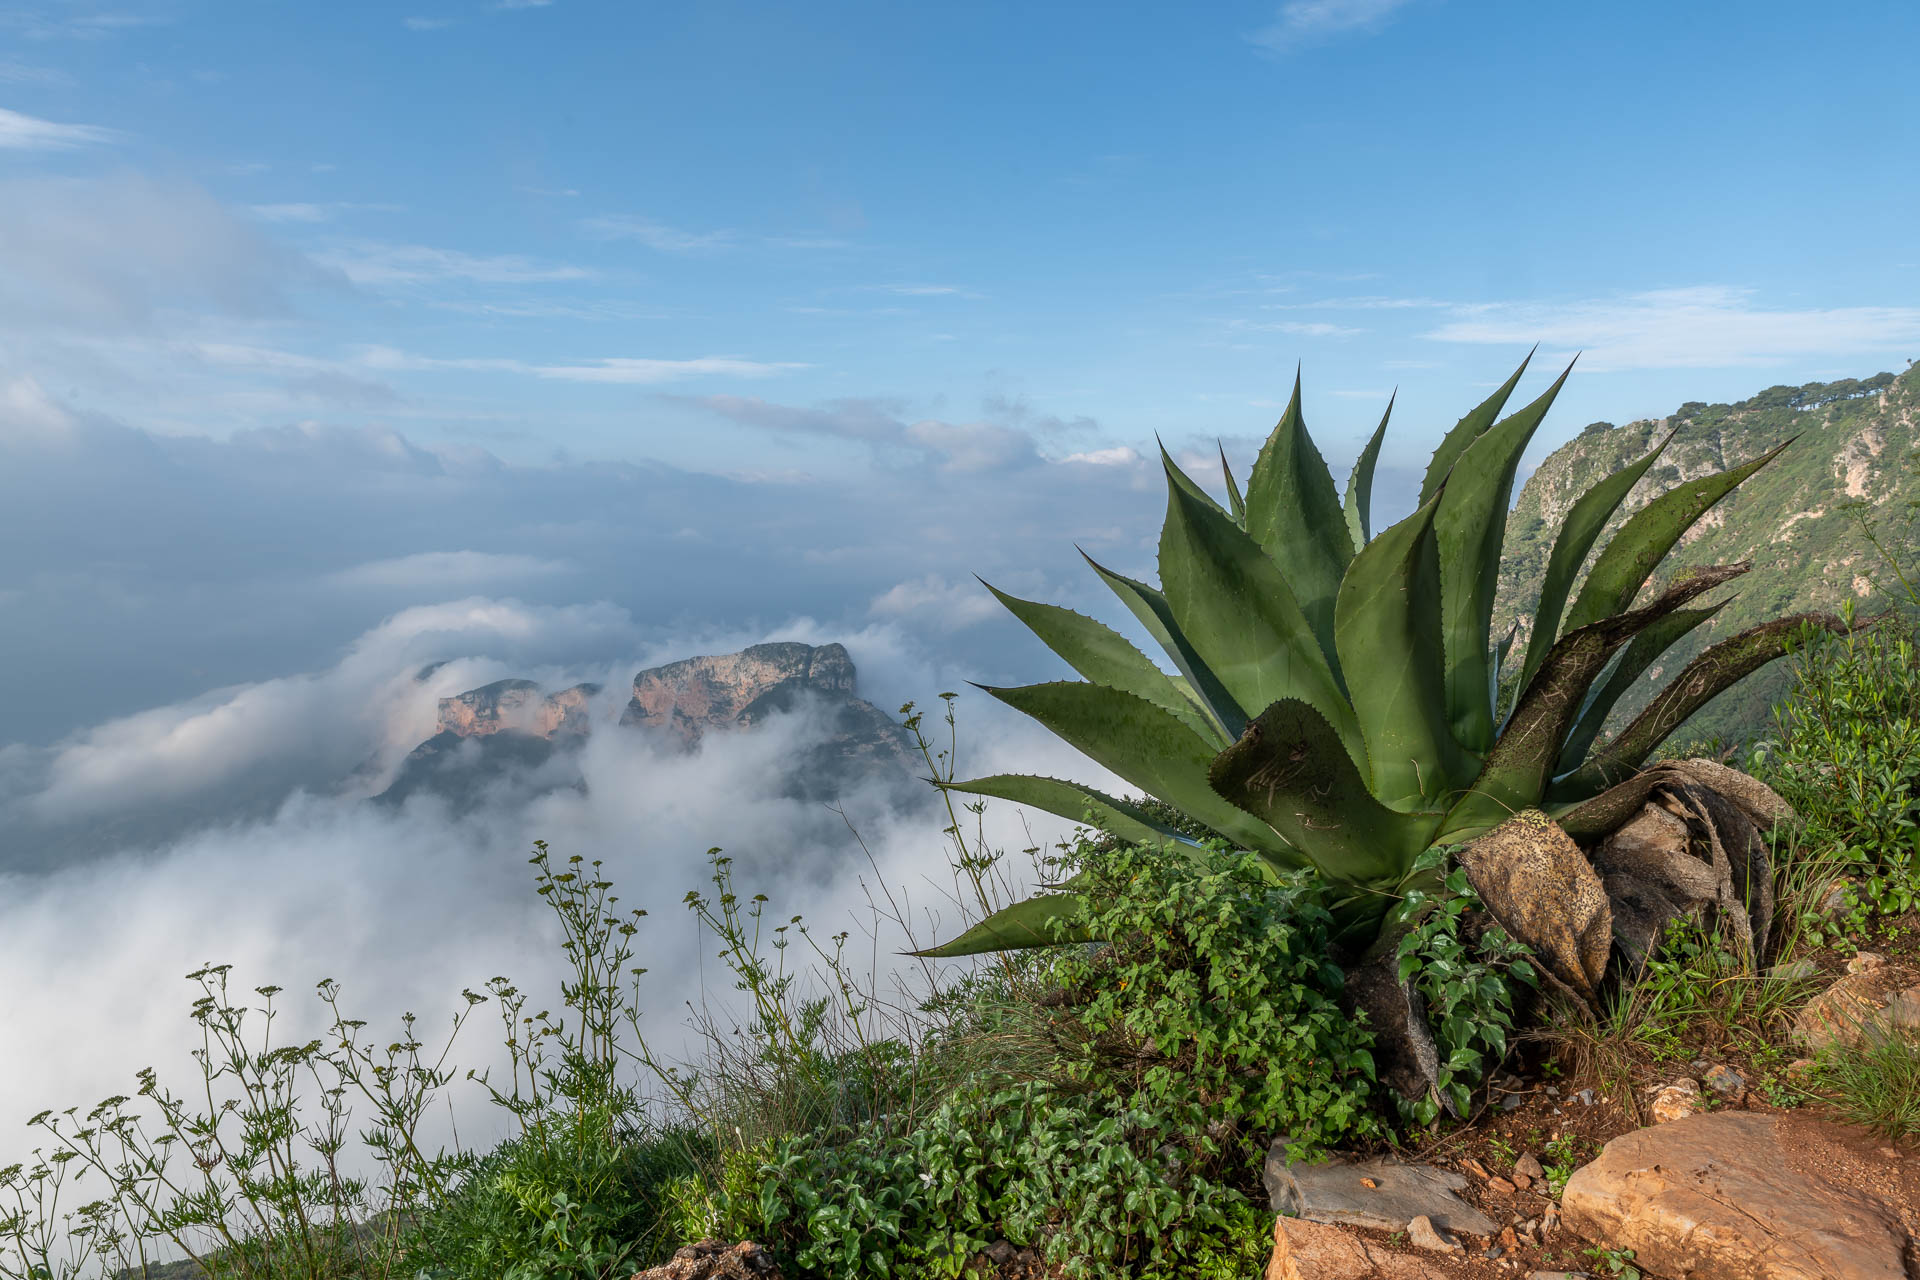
(516, 706)
(512, 733)
(1730, 1195)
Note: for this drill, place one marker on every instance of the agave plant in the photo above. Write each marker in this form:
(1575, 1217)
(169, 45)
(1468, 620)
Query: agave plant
(1338, 701)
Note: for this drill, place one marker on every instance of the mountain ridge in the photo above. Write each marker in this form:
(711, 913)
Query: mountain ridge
(1856, 442)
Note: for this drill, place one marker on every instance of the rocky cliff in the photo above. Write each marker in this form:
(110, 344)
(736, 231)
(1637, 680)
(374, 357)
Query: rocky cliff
(1798, 520)
(509, 732)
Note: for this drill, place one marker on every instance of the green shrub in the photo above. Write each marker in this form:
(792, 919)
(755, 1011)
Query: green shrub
(1846, 754)
(1875, 1082)
(1174, 1054)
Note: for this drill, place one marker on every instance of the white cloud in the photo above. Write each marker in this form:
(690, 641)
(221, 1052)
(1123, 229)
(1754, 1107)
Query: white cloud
(391, 264)
(521, 4)
(428, 24)
(957, 446)
(924, 290)
(105, 253)
(614, 369)
(1707, 326)
(23, 73)
(447, 570)
(19, 132)
(655, 235)
(1118, 456)
(291, 212)
(1302, 22)
(931, 599)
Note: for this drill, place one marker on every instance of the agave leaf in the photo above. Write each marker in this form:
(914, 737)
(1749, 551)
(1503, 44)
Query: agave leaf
(1644, 540)
(1521, 763)
(1633, 660)
(1707, 676)
(1235, 503)
(1465, 432)
(1294, 512)
(1235, 608)
(1290, 770)
(1073, 801)
(1469, 527)
(1585, 520)
(1187, 483)
(1358, 502)
(1102, 655)
(1388, 629)
(1148, 747)
(1203, 688)
(1497, 665)
(1045, 920)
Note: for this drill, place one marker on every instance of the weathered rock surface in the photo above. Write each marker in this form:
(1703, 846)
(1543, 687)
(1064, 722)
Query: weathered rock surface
(1540, 887)
(1304, 1250)
(1876, 999)
(715, 1260)
(516, 706)
(1675, 1101)
(510, 734)
(1337, 1191)
(1719, 1197)
(689, 697)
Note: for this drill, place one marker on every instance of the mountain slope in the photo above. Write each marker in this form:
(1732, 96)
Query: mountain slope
(1797, 520)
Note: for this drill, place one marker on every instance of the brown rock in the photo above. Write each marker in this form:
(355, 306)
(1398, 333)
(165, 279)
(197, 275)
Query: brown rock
(1305, 1250)
(1717, 1196)
(1528, 1166)
(1674, 1101)
(1540, 887)
(1864, 961)
(1422, 1234)
(715, 1260)
(1874, 1000)
(1471, 1166)
(1501, 1185)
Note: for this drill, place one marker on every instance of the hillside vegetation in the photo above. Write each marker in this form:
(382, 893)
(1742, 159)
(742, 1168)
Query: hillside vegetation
(1798, 520)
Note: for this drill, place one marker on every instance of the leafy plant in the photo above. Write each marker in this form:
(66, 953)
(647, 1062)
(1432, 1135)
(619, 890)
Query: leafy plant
(1337, 705)
(1463, 983)
(1618, 1262)
(1208, 1024)
(1846, 754)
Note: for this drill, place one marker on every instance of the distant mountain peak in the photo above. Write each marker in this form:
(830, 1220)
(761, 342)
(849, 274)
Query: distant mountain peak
(485, 737)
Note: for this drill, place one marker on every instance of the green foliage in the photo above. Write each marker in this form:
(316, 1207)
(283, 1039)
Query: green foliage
(1846, 755)
(1874, 1082)
(1799, 518)
(1464, 981)
(1321, 671)
(1208, 1024)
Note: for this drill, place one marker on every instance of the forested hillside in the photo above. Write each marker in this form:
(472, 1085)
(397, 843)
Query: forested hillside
(1856, 457)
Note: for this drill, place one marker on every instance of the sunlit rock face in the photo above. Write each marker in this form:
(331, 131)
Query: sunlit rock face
(516, 706)
(513, 735)
(686, 698)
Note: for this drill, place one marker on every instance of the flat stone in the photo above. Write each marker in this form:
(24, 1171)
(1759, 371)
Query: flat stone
(1793, 971)
(1876, 1000)
(1334, 1191)
(1422, 1234)
(1724, 1081)
(1717, 1197)
(1305, 1250)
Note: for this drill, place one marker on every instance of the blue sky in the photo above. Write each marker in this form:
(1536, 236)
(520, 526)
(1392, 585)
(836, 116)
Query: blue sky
(726, 315)
(718, 233)
(560, 338)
